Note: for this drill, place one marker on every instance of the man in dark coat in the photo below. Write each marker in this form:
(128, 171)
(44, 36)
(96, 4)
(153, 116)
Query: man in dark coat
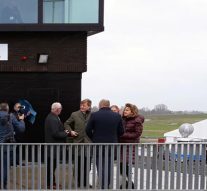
(104, 126)
(54, 133)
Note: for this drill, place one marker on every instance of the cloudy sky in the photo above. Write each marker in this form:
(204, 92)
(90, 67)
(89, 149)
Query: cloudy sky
(151, 52)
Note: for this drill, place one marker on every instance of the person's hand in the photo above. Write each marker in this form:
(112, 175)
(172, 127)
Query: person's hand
(67, 131)
(73, 133)
(28, 113)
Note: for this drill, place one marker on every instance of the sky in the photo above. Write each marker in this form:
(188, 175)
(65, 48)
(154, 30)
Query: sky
(151, 52)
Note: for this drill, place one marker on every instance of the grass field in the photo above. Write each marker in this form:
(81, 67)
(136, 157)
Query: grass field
(156, 125)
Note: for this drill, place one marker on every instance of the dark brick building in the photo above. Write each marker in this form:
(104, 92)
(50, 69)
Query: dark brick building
(57, 28)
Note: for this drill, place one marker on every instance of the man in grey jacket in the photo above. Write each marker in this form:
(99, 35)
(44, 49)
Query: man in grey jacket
(77, 124)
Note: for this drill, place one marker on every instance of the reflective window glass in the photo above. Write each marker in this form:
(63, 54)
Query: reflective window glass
(71, 11)
(18, 11)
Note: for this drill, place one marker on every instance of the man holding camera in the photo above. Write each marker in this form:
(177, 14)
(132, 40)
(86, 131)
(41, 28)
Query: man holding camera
(9, 125)
(19, 111)
(19, 114)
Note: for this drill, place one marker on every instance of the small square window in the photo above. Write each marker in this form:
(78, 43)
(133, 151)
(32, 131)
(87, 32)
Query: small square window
(4, 52)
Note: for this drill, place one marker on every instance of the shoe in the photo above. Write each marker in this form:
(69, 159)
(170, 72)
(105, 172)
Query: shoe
(127, 184)
(132, 185)
(53, 187)
(60, 187)
(84, 186)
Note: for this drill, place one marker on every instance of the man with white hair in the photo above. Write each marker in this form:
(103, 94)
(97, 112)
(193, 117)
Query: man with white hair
(54, 133)
(54, 130)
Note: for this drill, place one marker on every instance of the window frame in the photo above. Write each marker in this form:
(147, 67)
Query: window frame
(40, 26)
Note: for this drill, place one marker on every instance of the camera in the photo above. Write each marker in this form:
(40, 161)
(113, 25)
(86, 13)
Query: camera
(21, 110)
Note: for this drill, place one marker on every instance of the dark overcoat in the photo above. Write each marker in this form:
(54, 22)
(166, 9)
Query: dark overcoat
(54, 133)
(133, 127)
(104, 126)
(54, 130)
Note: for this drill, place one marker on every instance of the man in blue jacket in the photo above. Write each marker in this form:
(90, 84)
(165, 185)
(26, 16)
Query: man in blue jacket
(104, 126)
(9, 125)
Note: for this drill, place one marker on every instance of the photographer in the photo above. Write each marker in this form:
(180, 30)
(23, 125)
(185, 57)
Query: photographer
(19, 111)
(9, 125)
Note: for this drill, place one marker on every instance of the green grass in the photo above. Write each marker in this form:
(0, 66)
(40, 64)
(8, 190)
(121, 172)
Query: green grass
(156, 125)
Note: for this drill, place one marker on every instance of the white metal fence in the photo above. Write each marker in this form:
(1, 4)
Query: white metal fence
(138, 166)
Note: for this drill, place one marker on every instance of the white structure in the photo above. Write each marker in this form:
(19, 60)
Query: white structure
(199, 133)
(186, 129)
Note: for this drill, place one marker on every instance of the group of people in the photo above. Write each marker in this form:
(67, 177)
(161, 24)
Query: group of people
(104, 126)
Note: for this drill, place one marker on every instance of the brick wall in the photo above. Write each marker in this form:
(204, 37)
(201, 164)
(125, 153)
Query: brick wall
(66, 50)
(41, 90)
(43, 84)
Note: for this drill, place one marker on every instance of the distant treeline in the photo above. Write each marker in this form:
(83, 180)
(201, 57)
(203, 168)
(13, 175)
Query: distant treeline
(160, 109)
(163, 109)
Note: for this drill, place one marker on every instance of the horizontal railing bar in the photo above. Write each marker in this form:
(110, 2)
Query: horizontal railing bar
(38, 144)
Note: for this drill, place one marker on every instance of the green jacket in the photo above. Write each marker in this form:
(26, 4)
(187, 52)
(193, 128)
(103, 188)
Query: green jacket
(77, 122)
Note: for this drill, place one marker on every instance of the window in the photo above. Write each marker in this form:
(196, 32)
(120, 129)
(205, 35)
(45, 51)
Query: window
(52, 15)
(3, 52)
(18, 11)
(53, 11)
(71, 11)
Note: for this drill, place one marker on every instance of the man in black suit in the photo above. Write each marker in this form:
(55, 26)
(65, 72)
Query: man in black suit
(104, 126)
(54, 133)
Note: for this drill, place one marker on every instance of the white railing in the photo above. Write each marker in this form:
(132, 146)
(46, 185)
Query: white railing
(139, 166)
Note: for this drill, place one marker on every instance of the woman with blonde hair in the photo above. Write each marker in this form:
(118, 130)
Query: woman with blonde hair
(133, 126)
